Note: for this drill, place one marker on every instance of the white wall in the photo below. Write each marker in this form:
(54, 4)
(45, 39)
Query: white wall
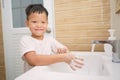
(115, 19)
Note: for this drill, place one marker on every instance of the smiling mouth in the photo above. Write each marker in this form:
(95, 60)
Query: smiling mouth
(39, 29)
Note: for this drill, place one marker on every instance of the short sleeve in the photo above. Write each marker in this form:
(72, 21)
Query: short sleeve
(26, 45)
(56, 45)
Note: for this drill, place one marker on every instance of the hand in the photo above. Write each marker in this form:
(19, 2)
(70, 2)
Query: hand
(62, 50)
(74, 61)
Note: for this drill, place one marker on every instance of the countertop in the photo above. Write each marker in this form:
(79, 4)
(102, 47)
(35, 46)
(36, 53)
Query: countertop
(113, 68)
(36, 74)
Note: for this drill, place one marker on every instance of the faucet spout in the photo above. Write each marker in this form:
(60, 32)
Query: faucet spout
(111, 42)
(115, 48)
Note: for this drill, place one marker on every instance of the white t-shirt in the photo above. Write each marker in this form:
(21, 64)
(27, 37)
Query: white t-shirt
(46, 46)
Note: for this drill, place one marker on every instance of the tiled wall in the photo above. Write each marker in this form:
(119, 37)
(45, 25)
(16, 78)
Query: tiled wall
(2, 66)
(78, 22)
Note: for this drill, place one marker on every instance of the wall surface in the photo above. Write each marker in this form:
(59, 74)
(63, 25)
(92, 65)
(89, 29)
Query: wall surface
(78, 22)
(115, 19)
(2, 66)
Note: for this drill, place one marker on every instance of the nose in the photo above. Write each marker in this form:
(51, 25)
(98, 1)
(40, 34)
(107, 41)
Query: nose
(39, 24)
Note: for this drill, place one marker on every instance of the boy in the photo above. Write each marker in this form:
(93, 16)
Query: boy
(38, 49)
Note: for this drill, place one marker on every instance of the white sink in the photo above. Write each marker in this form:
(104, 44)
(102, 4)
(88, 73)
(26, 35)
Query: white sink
(93, 65)
(94, 69)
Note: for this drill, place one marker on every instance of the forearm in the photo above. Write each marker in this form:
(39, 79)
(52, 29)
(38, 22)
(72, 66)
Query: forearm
(49, 59)
(40, 60)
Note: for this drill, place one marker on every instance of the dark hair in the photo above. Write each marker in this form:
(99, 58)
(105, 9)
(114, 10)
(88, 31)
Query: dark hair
(32, 8)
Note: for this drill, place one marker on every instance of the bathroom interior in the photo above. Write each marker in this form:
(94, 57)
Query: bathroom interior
(77, 24)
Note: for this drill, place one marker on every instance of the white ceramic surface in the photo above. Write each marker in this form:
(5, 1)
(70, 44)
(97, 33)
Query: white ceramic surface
(93, 65)
(98, 66)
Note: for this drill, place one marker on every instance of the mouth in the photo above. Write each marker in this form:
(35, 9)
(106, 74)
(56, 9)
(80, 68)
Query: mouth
(39, 29)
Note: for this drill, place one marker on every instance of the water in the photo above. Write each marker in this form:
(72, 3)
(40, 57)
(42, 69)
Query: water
(93, 47)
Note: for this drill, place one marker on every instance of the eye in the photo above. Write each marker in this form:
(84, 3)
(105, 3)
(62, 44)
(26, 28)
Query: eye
(34, 21)
(43, 22)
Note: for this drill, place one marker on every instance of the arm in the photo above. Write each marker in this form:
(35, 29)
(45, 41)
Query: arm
(39, 60)
(29, 54)
(59, 47)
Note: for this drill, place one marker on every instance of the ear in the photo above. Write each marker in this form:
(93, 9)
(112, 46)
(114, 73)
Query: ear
(26, 22)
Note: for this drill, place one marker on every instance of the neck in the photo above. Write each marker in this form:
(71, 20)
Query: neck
(38, 37)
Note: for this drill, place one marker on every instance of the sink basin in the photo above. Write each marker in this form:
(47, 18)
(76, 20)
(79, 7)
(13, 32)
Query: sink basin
(93, 65)
(94, 68)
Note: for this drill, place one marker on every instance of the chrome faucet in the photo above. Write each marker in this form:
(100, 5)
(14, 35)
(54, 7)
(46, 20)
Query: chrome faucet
(115, 48)
(111, 42)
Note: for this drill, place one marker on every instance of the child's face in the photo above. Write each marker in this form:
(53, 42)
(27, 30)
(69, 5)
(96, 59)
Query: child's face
(37, 24)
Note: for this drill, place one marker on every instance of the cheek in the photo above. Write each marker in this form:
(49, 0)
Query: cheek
(46, 26)
(31, 29)
(32, 25)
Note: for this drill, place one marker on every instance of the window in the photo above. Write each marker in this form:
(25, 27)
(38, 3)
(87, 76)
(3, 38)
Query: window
(18, 11)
